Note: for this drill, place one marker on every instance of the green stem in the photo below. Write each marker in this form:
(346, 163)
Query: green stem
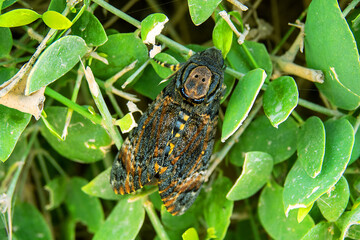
(77, 108)
(320, 109)
(159, 228)
(350, 7)
(297, 117)
(102, 107)
(250, 56)
(118, 13)
(11, 190)
(254, 228)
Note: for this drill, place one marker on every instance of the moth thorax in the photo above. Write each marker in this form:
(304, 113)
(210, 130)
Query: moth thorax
(197, 83)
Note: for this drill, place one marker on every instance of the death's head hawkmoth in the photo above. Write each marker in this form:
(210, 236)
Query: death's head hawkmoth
(174, 139)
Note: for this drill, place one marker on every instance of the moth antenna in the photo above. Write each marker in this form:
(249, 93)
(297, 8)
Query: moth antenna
(173, 67)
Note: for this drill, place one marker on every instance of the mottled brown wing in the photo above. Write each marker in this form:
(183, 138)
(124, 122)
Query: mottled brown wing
(183, 171)
(141, 154)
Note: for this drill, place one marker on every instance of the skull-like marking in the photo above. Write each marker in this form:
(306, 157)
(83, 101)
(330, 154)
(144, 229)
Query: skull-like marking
(198, 82)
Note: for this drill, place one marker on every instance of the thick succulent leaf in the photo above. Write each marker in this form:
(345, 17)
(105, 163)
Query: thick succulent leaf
(311, 146)
(300, 189)
(279, 142)
(273, 219)
(325, 21)
(256, 172)
(241, 101)
(59, 58)
(280, 99)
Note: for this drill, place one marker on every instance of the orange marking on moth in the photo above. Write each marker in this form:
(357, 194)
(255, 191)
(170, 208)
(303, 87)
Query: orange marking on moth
(168, 187)
(170, 209)
(121, 190)
(162, 170)
(139, 174)
(116, 191)
(189, 185)
(156, 167)
(175, 160)
(175, 213)
(191, 142)
(151, 115)
(169, 202)
(196, 165)
(127, 186)
(158, 132)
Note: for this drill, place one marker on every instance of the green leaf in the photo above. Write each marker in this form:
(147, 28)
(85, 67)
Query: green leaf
(280, 98)
(239, 60)
(126, 123)
(355, 154)
(311, 146)
(201, 10)
(333, 204)
(323, 231)
(273, 219)
(222, 36)
(229, 82)
(82, 207)
(190, 234)
(179, 223)
(121, 50)
(218, 209)
(149, 83)
(325, 21)
(8, 3)
(163, 72)
(12, 124)
(90, 29)
(261, 136)
(59, 58)
(100, 187)
(6, 42)
(18, 17)
(300, 189)
(57, 192)
(124, 221)
(56, 20)
(151, 26)
(256, 172)
(57, 5)
(241, 101)
(86, 142)
(28, 223)
(348, 220)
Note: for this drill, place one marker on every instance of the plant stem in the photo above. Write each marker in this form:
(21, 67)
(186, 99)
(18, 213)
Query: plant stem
(101, 105)
(254, 228)
(350, 7)
(118, 13)
(77, 108)
(11, 190)
(320, 109)
(159, 228)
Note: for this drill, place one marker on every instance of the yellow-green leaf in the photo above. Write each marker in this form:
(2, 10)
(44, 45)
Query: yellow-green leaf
(55, 20)
(18, 17)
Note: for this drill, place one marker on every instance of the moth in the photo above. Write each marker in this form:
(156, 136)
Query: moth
(174, 139)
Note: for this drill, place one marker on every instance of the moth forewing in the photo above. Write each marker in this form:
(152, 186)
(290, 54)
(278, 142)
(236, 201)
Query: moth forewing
(174, 139)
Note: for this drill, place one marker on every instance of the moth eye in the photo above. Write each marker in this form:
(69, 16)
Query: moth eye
(197, 83)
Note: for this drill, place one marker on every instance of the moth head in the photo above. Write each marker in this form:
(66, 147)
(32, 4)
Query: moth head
(202, 76)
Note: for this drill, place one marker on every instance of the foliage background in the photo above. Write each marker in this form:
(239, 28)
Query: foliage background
(291, 146)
